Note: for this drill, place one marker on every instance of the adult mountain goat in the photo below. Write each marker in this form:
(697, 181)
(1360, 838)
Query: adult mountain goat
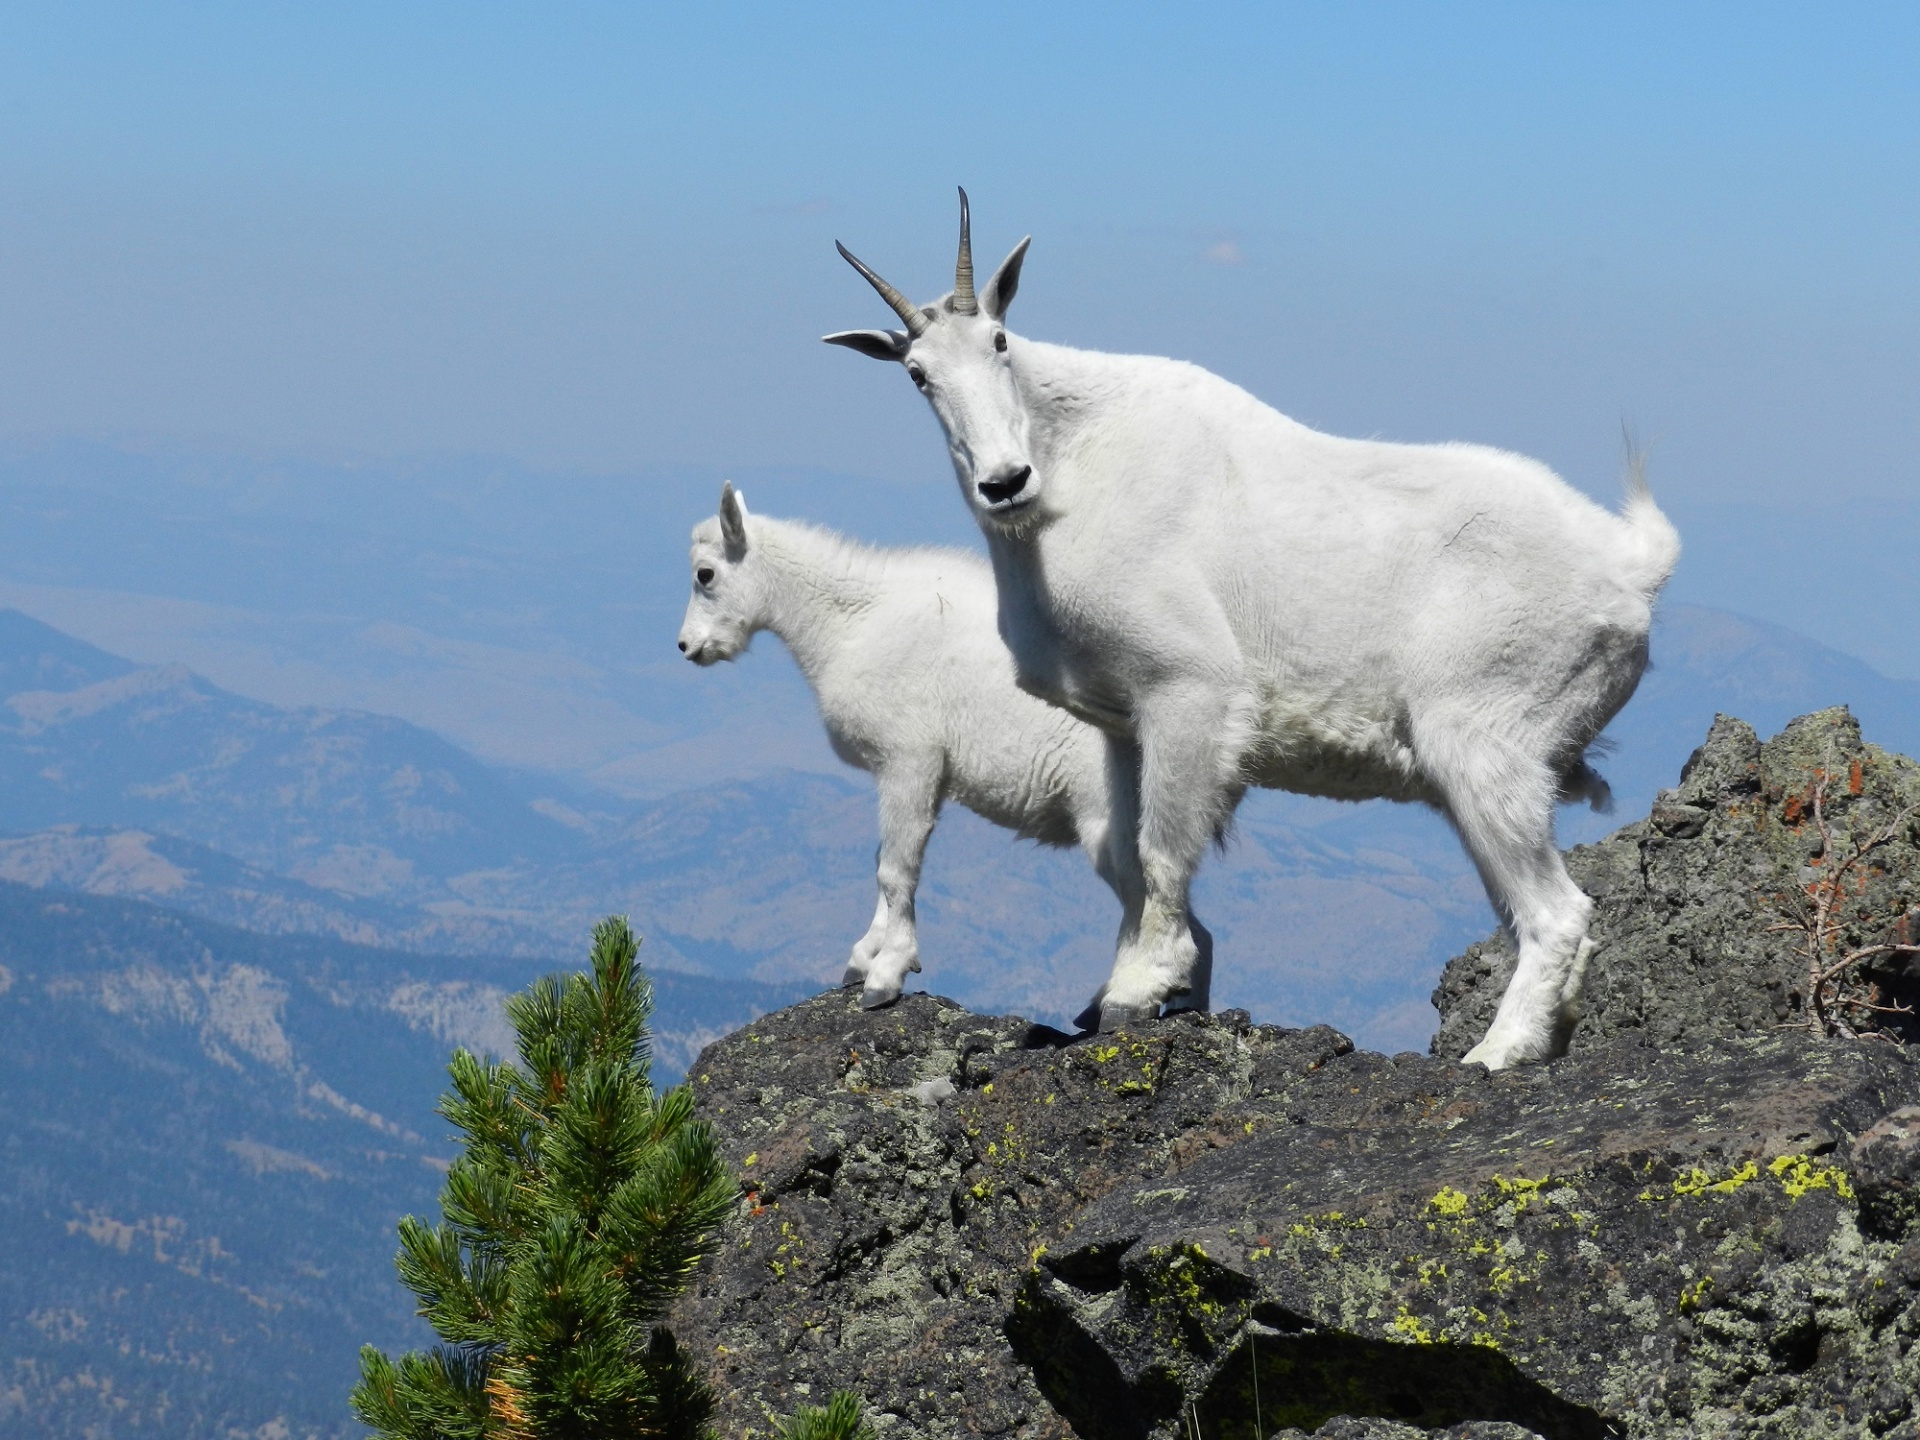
(1237, 600)
(915, 686)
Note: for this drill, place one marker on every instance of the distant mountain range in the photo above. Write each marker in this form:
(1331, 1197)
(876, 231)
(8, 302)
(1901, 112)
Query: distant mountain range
(151, 783)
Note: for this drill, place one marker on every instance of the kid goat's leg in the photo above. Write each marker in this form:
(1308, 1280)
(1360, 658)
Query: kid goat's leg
(1107, 818)
(909, 804)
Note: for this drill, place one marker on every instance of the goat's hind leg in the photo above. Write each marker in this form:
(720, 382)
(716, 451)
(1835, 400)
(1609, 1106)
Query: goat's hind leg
(909, 804)
(1198, 995)
(1501, 802)
(868, 945)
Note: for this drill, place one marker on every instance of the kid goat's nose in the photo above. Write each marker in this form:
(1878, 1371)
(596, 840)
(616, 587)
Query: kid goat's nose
(1006, 484)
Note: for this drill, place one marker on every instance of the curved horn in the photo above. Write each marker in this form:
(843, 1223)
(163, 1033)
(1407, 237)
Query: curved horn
(914, 317)
(964, 302)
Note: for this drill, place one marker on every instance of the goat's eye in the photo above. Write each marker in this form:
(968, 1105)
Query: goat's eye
(1000, 342)
(704, 574)
(918, 376)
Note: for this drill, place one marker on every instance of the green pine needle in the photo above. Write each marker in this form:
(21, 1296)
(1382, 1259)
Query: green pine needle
(842, 1419)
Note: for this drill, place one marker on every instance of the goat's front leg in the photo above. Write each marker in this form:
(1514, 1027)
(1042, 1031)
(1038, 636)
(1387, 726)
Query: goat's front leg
(1190, 739)
(909, 804)
(1107, 818)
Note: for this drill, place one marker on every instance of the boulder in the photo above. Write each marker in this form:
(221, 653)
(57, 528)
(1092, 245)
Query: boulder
(985, 1228)
(1699, 1223)
(1614, 1245)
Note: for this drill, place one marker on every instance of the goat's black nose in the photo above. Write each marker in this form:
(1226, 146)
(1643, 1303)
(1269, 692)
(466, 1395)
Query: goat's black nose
(683, 647)
(1007, 486)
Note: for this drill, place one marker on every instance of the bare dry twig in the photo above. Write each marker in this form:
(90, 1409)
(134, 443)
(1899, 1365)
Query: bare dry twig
(1840, 1000)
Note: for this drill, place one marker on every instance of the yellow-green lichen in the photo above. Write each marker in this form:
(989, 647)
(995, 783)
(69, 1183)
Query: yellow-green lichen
(1797, 1175)
(1186, 1286)
(1693, 1296)
(1448, 1201)
(1521, 1191)
(1413, 1327)
(1697, 1181)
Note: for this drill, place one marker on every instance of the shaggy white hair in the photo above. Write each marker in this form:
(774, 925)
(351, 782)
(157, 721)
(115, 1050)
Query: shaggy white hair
(1239, 600)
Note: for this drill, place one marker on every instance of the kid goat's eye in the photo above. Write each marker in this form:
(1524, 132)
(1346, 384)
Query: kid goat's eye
(919, 377)
(704, 574)
(1000, 342)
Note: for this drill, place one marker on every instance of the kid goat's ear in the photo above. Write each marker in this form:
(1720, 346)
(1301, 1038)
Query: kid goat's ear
(876, 344)
(1006, 280)
(733, 520)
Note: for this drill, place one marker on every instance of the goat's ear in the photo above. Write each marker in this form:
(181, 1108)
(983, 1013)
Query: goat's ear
(879, 344)
(1006, 280)
(733, 521)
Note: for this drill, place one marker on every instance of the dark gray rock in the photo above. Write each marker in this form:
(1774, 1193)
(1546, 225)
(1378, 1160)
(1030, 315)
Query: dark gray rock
(885, 1230)
(1615, 1244)
(1111, 1236)
(1699, 1223)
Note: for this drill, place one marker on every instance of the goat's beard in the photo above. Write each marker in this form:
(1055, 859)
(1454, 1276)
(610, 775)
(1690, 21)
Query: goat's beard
(1021, 524)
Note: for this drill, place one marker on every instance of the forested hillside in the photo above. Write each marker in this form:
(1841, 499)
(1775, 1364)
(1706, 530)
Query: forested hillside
(207, 1138)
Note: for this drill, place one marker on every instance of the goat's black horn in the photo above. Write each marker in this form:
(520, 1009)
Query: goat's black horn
(914, 317)
(964, 300)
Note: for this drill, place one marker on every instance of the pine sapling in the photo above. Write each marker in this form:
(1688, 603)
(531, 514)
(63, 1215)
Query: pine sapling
(840, 1419)
(577, 1210)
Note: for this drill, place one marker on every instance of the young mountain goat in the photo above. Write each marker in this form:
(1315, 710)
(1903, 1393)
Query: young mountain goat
(1238, 600)
(914, 685)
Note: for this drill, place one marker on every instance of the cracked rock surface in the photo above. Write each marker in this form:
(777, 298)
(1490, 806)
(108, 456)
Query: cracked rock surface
(1689, 1227)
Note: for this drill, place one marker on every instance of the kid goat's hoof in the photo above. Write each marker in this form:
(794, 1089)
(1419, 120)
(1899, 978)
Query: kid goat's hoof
(879, 998)
(854, 976)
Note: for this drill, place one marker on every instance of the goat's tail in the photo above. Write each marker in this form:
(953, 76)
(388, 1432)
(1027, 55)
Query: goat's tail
(1581, 782)
(1653, 545)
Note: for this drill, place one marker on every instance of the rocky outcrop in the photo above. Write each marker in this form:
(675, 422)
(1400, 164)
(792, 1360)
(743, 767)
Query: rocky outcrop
(1212, 1228)
(987, 1229)
(905, 1169)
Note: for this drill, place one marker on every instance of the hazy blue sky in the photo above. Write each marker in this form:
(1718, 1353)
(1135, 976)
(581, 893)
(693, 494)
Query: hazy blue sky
(599, 236)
